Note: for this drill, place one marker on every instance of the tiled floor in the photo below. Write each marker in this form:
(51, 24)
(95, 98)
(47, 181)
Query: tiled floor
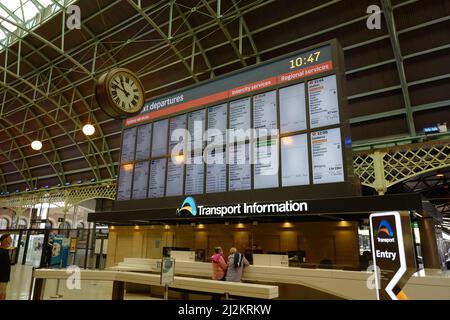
(19, 288)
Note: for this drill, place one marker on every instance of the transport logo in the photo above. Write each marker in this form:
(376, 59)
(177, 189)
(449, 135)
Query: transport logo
(188, 205)
(385, 228)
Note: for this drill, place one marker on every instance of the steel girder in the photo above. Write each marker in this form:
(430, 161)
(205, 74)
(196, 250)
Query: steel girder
(253, 32)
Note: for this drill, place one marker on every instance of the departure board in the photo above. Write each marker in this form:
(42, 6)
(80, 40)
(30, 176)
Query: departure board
(143, 140)
(265, 113)
(266, 165)
(175, 174)
(124, 182)
(159, 138)
(281, 123)
(140, 180)
(239, 167)
(128, 144)
(323, 102)
(216, 170)
(294, 160)
(194, 176)
(293, 108)
(157, 179)
(217, 124)
(327, 159)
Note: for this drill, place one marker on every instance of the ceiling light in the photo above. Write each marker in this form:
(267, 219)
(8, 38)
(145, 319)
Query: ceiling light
(36, 145)
(88, 129)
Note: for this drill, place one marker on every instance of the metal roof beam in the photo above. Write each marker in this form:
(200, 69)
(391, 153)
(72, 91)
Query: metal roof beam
(390, 22)
(225, 32)
(155, 26)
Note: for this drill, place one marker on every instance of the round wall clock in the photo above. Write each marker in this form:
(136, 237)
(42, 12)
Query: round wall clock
(120, 93)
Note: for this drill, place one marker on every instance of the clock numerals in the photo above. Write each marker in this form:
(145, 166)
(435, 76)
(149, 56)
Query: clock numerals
(125, 92)
(301, 61)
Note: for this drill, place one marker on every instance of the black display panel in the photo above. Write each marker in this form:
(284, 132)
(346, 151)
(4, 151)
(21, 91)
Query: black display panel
(140, 180)
(239, 177)
(216, 170)
(143, 140)
(295, 160)
(265, 113)
(128, 145)
(293, 108)
(157, 178)
(159, 138)
(194, 175)
(175, 175)
(124, 182)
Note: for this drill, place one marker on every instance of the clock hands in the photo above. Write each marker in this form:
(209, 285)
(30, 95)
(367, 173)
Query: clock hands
(123, 88)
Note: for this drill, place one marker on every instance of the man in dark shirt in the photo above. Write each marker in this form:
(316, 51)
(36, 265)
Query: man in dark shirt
(5, 264)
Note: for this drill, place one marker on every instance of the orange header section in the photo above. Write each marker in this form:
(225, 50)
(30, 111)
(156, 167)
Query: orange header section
(266, 83)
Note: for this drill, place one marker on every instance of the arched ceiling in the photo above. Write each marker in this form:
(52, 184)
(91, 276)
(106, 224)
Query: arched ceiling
(397, 82)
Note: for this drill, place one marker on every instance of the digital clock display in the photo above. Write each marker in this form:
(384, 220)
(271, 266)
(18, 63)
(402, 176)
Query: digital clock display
(304, 60)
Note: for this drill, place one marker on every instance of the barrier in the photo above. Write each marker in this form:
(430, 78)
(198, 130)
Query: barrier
(187, 284)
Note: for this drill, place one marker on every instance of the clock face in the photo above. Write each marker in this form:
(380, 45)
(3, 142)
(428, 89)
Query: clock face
(126, 92)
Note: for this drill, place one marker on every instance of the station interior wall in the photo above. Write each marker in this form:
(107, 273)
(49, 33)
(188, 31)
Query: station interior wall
(329, 240)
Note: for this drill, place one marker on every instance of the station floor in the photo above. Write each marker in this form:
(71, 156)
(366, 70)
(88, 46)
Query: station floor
(19, 288)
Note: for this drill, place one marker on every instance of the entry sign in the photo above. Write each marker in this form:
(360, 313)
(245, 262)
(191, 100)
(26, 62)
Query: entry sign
(393, 254)
(167, 270)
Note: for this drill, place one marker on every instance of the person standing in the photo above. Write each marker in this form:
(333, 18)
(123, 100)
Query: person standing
(219, 265)
(236, 263)
(49, 253)
(5, 264)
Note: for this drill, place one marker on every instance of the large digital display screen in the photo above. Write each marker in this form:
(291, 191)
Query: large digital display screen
(140, 180)
(194, 175)
(239, 167)
(323, 102)
(261, 128)
(143, 140)
(294, 160)
(159, 138)
(266, 165)
(175, 174)
(293, 108)
(157, 179)
(327, 162)
(128, 143)
(216, 170)
(265, 113)
(125, 181)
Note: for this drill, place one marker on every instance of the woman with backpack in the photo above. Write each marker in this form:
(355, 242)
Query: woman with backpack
(236, 263)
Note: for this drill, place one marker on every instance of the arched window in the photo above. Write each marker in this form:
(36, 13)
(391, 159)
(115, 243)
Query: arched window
(22, 224)
(4, 223)
(80, 225)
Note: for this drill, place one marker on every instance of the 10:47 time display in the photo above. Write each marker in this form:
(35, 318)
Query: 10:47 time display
(301, 61)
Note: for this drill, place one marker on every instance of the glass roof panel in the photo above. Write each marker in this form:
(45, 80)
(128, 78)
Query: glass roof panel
(23, 13)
